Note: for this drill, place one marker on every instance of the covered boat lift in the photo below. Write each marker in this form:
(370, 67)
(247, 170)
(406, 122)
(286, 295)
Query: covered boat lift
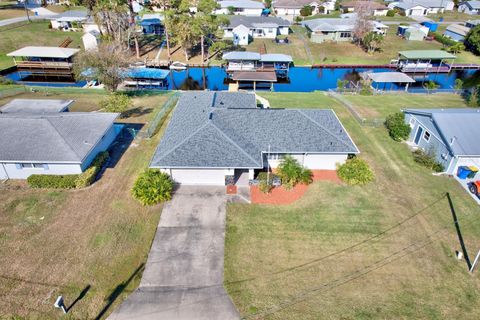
(425, 61)
(146, 78)
(255, 77)
(252, 61)
(390, 77)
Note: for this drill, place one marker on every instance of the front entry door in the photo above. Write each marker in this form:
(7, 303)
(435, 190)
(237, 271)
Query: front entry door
(419, 134)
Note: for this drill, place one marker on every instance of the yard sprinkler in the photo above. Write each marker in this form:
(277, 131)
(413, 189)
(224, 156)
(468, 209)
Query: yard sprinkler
(59, 303)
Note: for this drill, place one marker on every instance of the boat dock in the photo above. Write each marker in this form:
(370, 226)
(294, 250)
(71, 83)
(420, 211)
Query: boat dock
(354, 66)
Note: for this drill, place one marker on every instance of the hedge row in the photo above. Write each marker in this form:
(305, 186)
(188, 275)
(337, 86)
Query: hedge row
(446, 41)
(69, 181)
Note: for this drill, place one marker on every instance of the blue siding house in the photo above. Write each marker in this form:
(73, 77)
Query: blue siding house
(451, 135)
(456, 32)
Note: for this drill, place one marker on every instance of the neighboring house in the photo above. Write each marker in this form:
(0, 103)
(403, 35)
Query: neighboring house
(36, 106)
(69, 20)
(378, 9)
(242, 29)
(214, 137)
(241, 7)
(456, 32)
(469, 7)
(472, 23)
(91, 40)
(337, 29)
(423, 7)
(52, 143)
(293, 7)
(151, 24)
(451, 135)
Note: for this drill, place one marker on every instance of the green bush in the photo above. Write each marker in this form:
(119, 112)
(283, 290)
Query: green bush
(431, 85)
(306, 11)
(291, 173)
(446, 41)
(116, 102)
(390, 13)
(152, 187)
(355, 171)
(87, 177)
(427, 159)
(264, 186)
(67, 181)
(396, 126)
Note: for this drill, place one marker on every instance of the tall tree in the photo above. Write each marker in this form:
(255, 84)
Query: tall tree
(131, 22)
(363, 24)
(207, 23)
(473, 39)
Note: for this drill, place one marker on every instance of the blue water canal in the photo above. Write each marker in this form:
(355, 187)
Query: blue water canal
(301, 79)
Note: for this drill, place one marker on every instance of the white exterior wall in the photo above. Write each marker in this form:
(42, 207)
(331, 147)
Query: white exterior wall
(463, 161)
(55, 24)
(244, 12)
(214, 177)
(90, 41)
(287, 11)
(315, 161)
(284, 31)
(87, 27)
(53, 168)
(378, 13)
(3, 173)
(102, 145)
(465, 9)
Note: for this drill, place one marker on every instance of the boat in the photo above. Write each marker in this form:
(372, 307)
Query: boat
(177, 65)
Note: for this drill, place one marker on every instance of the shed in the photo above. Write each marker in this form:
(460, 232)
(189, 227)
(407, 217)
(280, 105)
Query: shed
(431, 25)
(91, 40)
(456, 32)
(241, 35)
(414, 34)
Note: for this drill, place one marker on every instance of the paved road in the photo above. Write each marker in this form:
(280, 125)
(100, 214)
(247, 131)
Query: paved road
(183, 277)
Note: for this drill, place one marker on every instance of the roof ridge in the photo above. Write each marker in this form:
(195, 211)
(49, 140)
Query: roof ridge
(319, 125)
(63, 138)
(234, 143)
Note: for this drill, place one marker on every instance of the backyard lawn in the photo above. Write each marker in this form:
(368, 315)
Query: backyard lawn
(36, 33)
(88, 244)
(381, 251)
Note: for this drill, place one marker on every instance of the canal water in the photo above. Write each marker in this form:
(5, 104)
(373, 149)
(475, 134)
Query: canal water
(301, 79)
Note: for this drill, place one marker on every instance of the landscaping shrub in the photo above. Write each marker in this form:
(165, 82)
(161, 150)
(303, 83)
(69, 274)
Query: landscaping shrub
(291, 173)
(264, 186)
(88, 176)
(431, 85)
(67, 181)
(116, 102)
(355, 171)
(152, 187)
(396, 126)
(427, 159)
(306, 11)
(446, 41)
(390, 13)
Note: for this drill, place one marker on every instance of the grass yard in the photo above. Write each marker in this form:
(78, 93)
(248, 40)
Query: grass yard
(93, 240)
(325, 257)
(36, 33)
(453, 16)
(8, 13)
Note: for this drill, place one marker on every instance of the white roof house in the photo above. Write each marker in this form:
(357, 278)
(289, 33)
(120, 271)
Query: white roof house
(44, 52)
(241, 7)
(52, 143)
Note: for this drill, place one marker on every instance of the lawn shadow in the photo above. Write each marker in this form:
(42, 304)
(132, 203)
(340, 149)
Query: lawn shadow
(459, 232)
(118, 291)
(124, 139)
(136, 112)
(80, 297)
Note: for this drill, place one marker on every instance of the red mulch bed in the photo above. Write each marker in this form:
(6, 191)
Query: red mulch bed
(279, 195)
(231, 189)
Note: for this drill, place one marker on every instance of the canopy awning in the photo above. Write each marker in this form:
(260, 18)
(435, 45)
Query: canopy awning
(267, 76)
(276, 57)
(390, 77)
(426, 54)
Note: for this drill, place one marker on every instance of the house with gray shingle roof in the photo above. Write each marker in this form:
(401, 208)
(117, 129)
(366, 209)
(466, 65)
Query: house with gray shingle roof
(451, 135)
(469, 7)
(240, 7)
(37, 106)
(243, 29)
(215, 136)
(52, 143)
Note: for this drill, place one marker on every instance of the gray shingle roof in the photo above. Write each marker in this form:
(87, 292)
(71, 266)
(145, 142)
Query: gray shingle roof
(254, 21)
(202, 136)
(247, 4)
(55, 137)
(37, 106)
(462, 125)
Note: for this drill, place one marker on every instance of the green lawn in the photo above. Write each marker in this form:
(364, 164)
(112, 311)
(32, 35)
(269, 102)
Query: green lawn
(35, 33)
(61, 242)
(346, 52)
(290, 262)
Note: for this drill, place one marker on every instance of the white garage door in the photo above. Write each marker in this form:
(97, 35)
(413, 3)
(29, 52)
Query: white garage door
(417, 12)
(198, 176)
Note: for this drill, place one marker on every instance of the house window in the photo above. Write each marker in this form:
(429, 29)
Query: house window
(345, 35)
(270, 30)
(426, 136)
(412, 122)
(275, 156)
(26, 165)
(31, 165)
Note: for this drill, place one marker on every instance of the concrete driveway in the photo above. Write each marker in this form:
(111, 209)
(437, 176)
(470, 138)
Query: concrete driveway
(183, 277)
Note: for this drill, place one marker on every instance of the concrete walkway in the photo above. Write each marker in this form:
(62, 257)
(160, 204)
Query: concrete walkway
(183, 277)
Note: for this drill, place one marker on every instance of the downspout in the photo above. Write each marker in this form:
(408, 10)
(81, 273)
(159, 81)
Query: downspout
(5, 170)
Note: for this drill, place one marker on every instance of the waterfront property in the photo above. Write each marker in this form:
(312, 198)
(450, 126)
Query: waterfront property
(214, 138)
(380, 80)
(146, 78)
(46, 62)
(52, 143)
(293, 7)
(337, 29)
(240, 7)
(151, 24)
(423, 7)
(450, 135)
(244, 29)
(456, 32)
(469, 7)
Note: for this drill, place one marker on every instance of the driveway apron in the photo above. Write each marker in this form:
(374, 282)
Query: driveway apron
(183, 277)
